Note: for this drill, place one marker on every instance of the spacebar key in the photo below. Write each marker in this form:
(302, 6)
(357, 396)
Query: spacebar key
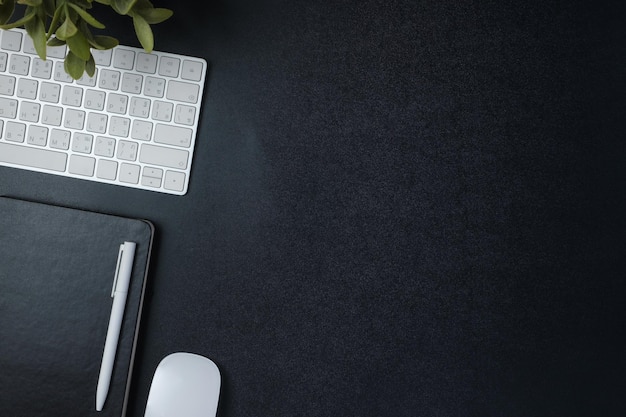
(32, 157)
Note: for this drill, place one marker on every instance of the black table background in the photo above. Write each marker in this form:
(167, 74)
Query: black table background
(402, 208)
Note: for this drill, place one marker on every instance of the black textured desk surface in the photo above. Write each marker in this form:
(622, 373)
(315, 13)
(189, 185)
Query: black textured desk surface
(398, 208)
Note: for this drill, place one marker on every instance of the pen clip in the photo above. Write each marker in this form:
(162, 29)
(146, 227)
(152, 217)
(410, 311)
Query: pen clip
(117, 269)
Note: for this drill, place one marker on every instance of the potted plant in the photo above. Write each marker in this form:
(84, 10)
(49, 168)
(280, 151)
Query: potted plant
(71, 23)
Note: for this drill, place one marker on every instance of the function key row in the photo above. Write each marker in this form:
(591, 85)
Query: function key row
(121, 58)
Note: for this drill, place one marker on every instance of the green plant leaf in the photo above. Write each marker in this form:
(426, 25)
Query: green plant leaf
(142, 4)
(54, 23)
(32, 3)
(29, 14)
(98, 42)
(54, 41)
(90, 66)
(79, 46)
(105, 2)
(37, 31)
(86, 16)
(104, 42)
(144, 33)
(122, 6)
(67, 29)
(155, 15)
(49, 6)
(41, 14)
(6, 10)
(74, 66)
(85, 4)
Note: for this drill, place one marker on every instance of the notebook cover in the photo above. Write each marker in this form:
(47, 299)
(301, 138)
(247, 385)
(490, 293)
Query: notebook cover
(56, 274)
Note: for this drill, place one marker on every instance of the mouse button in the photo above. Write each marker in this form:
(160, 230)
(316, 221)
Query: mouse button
(184, 384)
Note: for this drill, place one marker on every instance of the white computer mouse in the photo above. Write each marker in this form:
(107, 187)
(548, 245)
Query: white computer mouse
(184, 385)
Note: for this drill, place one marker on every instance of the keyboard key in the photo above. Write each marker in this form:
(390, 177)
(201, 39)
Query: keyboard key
(139, 107)
(127, 150)
(119, 126)
(74, 119)
(32, 157)
(82, 165)
(60, 74)
(109, 79)
(185, 115)
(180, 91)
(104, 146)
(174, 180)
(82, 143)
(15, 132)
(60, 139)
(72, 96)
(41, 68)
(107, 169)
(29, 111)
(141, 130)
(58, 52)
(50, 92)
(97, 122)
(19, 64)
(162, 111)
(51, 115)
(94, 100)
(192, 70)
(146, 62)
(169, 66)
(172, 135)
(131, 83)
(11, 41)
(129, 173)
(27, 88)
(154, 87)
(152, 177)
(123, 58)
(88, 81)
(117, 103)
(7, 85)
(162, 156)
(8, 108)
(37, 135)
(102, 57)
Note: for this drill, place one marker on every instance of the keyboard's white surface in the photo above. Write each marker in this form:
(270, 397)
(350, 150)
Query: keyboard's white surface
(133, 124)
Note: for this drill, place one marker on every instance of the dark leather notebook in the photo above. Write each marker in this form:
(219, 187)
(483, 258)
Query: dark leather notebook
(57, 267)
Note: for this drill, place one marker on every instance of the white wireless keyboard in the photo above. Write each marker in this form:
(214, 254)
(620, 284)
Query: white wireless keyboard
(133, 124)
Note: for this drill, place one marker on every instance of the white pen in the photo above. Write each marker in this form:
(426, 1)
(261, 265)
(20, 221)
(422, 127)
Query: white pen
(121, 281)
